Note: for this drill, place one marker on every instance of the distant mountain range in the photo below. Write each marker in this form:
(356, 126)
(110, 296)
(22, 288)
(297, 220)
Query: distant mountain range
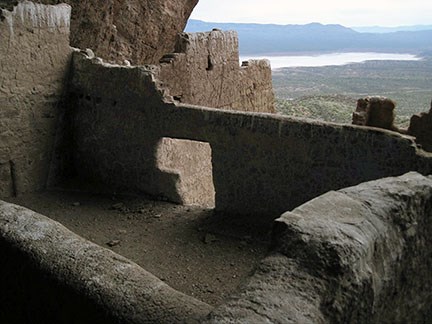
(260, 39)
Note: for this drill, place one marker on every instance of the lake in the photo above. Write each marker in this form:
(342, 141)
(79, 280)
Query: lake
(330, 59)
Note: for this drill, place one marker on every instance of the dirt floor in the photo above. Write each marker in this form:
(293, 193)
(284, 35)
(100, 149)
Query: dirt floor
(193, 250)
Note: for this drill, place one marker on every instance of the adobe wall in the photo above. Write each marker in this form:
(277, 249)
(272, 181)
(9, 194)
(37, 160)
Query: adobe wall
(51, 275)
(263, 164)
(204, 70)
(358, 255)
(34, 60)
(24, 167)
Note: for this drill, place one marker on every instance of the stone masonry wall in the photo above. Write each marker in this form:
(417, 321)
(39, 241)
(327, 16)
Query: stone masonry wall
(263, 164)
(205, 71)
(34, 60)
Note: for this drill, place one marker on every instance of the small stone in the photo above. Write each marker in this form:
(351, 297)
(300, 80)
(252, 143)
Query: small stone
(157, 216)
(90, 54)
(210, 238)
(119, 206)
(412, 231)
(113, 243)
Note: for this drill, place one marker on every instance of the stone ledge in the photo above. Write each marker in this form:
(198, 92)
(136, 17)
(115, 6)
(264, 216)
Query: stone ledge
(358, 255)
(54, 276)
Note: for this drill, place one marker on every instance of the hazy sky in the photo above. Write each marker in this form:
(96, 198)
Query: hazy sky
(344, 12)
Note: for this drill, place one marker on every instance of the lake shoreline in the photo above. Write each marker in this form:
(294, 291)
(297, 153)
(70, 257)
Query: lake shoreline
(330, 59)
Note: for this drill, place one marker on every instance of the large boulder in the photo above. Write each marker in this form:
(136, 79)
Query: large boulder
(357, 255)
(140, 31)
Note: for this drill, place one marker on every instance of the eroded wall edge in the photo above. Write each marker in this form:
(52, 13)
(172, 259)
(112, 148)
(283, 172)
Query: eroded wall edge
(204, 70)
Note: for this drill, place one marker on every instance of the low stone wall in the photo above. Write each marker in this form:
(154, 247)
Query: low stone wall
(358, 255)
(34, 61)
(263, 164)
(51, 275)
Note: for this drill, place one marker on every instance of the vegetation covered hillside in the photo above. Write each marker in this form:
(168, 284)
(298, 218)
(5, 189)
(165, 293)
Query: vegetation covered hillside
(330, 93)
(332, 108)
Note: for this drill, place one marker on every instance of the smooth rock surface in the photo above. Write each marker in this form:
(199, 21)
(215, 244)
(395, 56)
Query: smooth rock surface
(51, 275)
(358, 255)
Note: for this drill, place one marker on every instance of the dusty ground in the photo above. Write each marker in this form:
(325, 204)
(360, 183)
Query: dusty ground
(192, 249)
